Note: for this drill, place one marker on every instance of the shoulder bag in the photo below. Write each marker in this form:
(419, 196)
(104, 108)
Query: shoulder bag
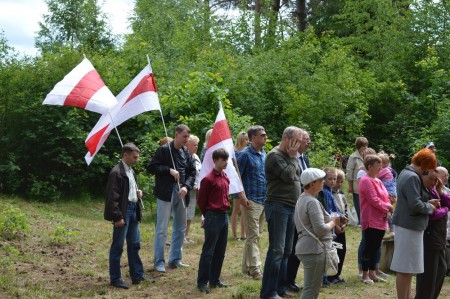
(331, 256)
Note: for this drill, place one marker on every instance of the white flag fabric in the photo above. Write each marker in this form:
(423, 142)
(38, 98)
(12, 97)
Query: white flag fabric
(82, 88)
(221, 138)
(139, 96)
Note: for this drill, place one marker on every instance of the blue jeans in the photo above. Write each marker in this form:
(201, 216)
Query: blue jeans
(280, 222)
(131, 232)
(356, 205)
(213, 252)
(164, 210)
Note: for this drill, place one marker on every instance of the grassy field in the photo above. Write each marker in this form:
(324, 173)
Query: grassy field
(64, 254)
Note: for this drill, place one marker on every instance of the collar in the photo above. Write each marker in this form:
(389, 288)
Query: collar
(253, 150)
(218, 173)
(127, 168)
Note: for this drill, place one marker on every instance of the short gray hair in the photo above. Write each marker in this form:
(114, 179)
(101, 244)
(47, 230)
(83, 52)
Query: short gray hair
(289, 131)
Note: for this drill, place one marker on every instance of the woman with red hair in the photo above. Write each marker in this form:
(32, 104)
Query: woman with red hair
(411, 219)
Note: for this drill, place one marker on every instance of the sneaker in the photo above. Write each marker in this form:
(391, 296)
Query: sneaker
(160, 268)
(337, 280)
(177, 265)
(383, 274)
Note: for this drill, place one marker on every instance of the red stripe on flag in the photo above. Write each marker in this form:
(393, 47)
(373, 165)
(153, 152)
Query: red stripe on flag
(145, 85)
(92, 143)
(221, 132)
(84, 90)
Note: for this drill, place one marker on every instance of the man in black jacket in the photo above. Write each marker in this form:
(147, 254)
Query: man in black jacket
(174, 169)
(122, 208)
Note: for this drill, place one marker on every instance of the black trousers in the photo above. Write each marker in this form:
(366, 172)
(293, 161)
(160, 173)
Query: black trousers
(340, 238)
(373, 237)
(429, 283)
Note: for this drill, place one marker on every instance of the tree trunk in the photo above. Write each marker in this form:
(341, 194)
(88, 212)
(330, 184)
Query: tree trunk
(300, 15)
(258, 23)
(273, 20)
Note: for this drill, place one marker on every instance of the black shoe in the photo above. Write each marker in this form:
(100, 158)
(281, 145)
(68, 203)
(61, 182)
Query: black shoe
(119, 284)
(289, 294)
(219, 284)
(143, 278)
(293, 287)
(203, 289)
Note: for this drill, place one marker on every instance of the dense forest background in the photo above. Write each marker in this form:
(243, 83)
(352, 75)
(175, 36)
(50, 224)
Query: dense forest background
(338, 68)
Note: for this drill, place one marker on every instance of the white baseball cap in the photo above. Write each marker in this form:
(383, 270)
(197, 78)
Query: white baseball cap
(310, 175)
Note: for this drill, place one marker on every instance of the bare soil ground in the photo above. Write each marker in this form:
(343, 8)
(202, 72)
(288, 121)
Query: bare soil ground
(35, 266)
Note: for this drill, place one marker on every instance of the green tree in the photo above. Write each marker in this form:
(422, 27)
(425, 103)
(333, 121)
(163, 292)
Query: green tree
(77, 24)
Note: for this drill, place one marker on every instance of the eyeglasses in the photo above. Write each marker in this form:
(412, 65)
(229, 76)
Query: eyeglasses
(263, 135)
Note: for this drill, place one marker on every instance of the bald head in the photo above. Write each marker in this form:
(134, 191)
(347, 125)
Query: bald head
(443, 174)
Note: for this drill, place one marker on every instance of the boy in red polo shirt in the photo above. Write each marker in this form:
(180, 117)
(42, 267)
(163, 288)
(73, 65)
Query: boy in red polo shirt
(213, 203)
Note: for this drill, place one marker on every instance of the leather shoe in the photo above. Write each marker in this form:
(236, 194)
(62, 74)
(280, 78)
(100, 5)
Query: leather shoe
(119, 284)
(288, 294)
(293, 287)
(203, 289)
(143, 278)
(177, 265)
(219, 284)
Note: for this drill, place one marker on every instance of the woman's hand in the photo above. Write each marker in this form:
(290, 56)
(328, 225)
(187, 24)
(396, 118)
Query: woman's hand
(436, 203)
(388, 215)
(390, 208)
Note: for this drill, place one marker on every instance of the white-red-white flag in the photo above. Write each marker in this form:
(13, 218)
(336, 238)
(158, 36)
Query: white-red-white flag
(82, 88)
(221, 138)
(139, 96)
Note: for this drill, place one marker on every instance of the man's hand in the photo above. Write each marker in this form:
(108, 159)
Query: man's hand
(175, 174)
(139, 193)
(120, 223)
(292, 148)
(243, 199)
(182, 193)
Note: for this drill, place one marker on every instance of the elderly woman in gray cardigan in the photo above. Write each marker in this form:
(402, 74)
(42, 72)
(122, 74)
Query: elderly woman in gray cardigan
(310, 215)
(411, 218)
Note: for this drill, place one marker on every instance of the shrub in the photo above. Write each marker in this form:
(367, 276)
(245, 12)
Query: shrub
(62, 235)
(12, 222)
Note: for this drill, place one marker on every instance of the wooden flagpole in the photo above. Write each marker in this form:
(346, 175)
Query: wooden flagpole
(170, 150)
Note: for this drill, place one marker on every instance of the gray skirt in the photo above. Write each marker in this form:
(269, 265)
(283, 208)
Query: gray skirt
(408, 251)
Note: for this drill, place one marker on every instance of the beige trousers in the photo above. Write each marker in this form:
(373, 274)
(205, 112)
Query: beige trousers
(254, 219)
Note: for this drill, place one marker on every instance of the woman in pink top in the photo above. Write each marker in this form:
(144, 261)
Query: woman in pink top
(376, 210)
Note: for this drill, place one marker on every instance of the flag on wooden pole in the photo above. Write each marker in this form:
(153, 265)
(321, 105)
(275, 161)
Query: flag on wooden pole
(221, 138)
(139, 96)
